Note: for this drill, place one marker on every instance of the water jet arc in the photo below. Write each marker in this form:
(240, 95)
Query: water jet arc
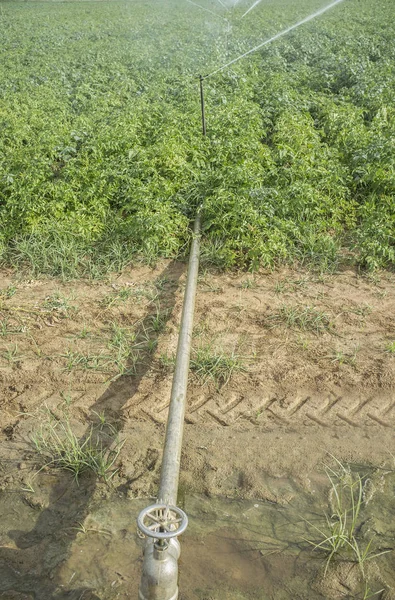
(275, 37)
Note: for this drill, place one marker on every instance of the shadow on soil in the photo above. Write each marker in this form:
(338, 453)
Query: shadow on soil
(32, 570)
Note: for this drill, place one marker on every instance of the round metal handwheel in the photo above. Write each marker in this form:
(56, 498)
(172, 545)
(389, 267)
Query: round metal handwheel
(162, 522)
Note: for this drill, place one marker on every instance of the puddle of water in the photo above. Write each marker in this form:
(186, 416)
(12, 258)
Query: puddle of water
(53, 548)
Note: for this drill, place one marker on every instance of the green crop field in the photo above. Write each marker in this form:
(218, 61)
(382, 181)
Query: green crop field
(102, 158)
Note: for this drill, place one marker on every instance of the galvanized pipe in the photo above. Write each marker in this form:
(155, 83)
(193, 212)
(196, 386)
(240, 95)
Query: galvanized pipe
(168, 487)
(159, 577)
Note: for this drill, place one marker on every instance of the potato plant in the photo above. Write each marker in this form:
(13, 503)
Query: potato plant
(102, 158)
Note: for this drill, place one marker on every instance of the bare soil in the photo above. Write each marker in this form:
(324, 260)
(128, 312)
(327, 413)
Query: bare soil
(304, 389)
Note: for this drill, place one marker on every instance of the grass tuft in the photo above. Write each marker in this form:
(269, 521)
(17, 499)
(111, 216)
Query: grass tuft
(306, 318)
(340, 534)
(59, 447)
(209, 363)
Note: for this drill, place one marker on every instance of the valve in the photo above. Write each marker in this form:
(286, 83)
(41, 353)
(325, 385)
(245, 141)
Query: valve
(161, 524)
(162, 521)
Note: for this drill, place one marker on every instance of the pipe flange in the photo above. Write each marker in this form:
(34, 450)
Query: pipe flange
(162, 521)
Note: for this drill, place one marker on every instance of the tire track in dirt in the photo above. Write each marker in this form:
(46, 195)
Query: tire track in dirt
(327, 410)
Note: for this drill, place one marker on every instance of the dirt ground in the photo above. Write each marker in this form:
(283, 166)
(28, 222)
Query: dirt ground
(314, 373)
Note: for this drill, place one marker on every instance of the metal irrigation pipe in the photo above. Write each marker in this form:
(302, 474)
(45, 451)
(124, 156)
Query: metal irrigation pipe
(161, 523)
(168, 487)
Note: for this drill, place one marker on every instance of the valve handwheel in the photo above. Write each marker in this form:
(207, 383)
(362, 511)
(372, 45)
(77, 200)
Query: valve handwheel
(162, 521)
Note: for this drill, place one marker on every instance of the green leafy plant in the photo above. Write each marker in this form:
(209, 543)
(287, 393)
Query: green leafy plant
(105, 165)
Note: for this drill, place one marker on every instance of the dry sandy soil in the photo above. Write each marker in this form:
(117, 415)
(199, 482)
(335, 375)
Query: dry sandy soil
(313, 373)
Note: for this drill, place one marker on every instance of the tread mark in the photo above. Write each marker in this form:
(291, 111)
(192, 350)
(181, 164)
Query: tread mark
(378, 420)
(198, 405)
(347, 420)
(151, 416)
(268, 404)
(389, 408)
(217, 418)
(299, 405)
(232, 405)
(317, 420)
(190, 420)
(281, 419)
(332, 403)
(360, 406)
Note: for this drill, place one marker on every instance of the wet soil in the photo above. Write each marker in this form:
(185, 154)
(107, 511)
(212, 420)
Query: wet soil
(314, 375)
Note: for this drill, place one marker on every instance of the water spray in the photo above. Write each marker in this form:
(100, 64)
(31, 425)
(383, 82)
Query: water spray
(265, 43)
(275, 37)
(207, 10)
(251, 8)
(222, 4)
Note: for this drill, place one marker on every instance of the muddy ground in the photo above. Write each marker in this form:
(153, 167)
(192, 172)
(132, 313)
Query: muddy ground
(313, 361)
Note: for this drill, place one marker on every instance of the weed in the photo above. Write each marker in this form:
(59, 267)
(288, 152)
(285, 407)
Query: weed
(103, 422)
(367, 593)
(339, 537)
(36, 348)
(201, 328)
(303, 343)
(363, 310)
(344, 358)
(59, 304)
(249, 284)
(381, 294)
(146, 341)
(149, 291)
(8, 292)
(84, 333)
(306, 318)
(117, 297)
(212, 254)
(126, 363)
(60, 447)
(390, 348)
(302, 282)
(158, 320)
(121, 337)
(130, 347)
(167, 362)
(12, 355)
(162, 282)
(28, 487)
(8, 327)
(280, 286)
(78, 360)
(212, 288)
(81, 528)
(67, 398)
(208, 363)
